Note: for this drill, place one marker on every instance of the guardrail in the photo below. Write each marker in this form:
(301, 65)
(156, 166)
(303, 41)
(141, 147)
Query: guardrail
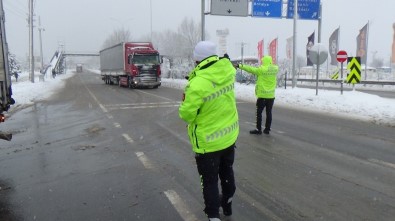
(339, 81)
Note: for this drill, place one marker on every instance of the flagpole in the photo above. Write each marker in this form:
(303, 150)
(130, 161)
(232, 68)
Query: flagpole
(277, 50)
(338, 48)
(319, 41)
(366, 41)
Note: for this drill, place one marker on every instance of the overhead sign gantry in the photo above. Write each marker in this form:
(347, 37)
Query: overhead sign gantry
(229, 8)
(304, 9)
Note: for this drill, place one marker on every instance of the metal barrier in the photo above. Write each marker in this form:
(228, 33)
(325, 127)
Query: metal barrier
(339, 81)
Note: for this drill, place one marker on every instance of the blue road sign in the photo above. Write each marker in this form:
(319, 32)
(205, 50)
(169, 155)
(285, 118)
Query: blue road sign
(307, 9)
(267, 8)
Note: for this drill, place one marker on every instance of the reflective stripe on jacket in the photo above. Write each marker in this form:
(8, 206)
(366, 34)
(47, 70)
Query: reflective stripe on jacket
(209, 106)
(266, 75)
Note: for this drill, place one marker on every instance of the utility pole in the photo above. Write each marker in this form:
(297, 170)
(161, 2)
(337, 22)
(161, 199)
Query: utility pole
(294, 53)
(150, 2)
(31, 57)
(41, 43)
(203, 21)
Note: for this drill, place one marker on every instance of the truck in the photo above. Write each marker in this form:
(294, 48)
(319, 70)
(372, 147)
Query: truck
(79, 68)
(131, 64)
(6, 99)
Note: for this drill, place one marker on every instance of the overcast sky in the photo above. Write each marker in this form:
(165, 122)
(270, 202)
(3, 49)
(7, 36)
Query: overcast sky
(83, 25)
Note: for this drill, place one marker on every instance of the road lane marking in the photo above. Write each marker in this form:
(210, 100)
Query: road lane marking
(128, 138)
(165, 98)
(250, 123)
(180, 206)
(174, 133)
(140, 104)
(142, 107)
(144, 160)
(117, 125)
(97, 101)
(383, 163)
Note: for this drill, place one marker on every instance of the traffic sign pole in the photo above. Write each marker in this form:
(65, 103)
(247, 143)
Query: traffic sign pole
(341, 78)
(341, 57)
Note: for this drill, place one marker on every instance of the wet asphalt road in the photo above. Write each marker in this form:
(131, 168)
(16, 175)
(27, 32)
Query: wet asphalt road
(100, 152)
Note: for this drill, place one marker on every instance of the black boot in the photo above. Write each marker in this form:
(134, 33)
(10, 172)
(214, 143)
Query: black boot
(266, 131)
(226, 207)
(256, 131)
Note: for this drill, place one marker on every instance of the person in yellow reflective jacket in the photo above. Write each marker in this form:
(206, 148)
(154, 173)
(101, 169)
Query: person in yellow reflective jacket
(209, 108)
(265, 87)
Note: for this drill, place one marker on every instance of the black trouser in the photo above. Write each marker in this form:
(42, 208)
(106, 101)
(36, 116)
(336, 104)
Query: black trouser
(261, 103)
(210, 166)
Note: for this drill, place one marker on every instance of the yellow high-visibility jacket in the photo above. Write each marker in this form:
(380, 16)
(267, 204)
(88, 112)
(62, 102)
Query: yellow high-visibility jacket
(209, 106)
(266, 74)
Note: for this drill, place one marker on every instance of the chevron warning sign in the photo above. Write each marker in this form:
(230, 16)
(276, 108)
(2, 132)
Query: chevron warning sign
(335, 75)
(354, 67)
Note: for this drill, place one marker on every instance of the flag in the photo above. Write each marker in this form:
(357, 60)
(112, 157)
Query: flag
(362, 44)
(273, 50)
(334, 46)
(310, 43)
(260, 50)
(289, 47)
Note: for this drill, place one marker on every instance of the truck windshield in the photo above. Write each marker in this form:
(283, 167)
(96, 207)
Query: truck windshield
(149, 59)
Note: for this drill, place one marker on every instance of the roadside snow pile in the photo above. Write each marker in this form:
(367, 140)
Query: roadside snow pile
(26, 93)
(352, 104)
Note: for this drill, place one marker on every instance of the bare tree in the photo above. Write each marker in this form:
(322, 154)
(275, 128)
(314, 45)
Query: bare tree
(169, 43)
(179, 43)
(189, 32)
(377, 62)
(118, 36)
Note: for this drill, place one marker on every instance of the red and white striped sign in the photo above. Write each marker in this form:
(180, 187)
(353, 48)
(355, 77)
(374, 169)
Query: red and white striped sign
(341, 56)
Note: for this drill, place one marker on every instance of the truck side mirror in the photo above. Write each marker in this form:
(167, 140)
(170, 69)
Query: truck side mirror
(130, 58)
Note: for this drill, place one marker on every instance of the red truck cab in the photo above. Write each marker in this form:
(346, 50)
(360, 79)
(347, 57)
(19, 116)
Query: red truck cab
(142, 65)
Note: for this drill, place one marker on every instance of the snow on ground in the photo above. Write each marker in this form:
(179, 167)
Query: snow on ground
(352, 104)
(26, 93)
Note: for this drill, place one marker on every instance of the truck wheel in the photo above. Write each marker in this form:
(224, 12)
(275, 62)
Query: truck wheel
(130, 83)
